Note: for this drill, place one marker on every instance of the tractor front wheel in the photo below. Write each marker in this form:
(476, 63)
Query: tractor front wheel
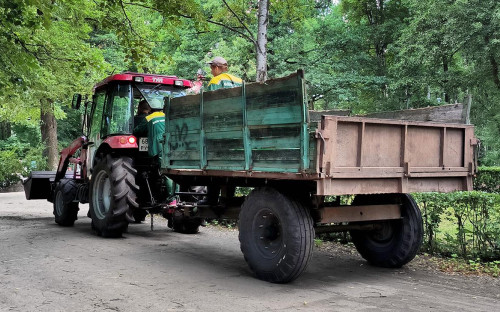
(65, 209)
(113, 195)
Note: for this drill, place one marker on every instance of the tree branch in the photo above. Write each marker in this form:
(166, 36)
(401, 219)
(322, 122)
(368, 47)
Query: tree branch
(238, 18)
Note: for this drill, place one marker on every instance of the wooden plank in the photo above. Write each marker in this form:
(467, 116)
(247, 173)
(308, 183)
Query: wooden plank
(454, 148)
(380, 145)
(230, 120)
(274, 131)
(184, 141)
(276, 143)
(452, 113)
(274, 116)
(224, 144)
(315, 116)
(184, 124)
(246, 131)
(357, 186)
(185, 155)
(227, 155)
(359, 213)
(277, 154)
(278, 99)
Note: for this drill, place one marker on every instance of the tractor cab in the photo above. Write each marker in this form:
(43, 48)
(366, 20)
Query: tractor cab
(113, 114)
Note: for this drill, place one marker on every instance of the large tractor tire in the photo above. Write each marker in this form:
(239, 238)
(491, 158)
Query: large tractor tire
(113, 195)
(276, 235)
(65, 209)
(396, 242)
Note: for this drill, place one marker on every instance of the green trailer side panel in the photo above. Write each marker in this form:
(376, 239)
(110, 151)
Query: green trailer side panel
(257, 127)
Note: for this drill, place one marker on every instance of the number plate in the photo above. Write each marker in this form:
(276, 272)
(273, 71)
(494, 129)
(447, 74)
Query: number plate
(143, 144)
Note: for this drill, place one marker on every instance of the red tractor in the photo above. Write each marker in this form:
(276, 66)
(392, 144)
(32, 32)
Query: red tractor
(109, 167)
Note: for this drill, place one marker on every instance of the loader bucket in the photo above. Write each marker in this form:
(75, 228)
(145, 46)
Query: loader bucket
(37, 185)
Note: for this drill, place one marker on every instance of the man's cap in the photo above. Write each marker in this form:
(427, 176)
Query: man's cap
(218, 60)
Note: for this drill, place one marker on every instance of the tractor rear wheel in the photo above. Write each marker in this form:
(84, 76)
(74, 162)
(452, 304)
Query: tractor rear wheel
(276, 235)
(396, 242)
(65, 209)
(113, 195)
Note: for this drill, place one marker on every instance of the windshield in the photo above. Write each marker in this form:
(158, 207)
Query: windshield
(156, 94)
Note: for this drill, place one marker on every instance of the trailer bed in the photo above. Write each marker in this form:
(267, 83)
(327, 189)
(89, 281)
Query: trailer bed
(263, 131)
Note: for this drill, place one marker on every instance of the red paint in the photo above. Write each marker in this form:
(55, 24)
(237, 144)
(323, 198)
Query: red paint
(66, 155)
(121, 141)
(148, 78)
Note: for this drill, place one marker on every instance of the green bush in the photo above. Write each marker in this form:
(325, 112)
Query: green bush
(463, 223)
(488, 179)
(18, 159)
(10, 168)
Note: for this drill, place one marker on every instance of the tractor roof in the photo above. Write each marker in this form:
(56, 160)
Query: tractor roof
(145, 78)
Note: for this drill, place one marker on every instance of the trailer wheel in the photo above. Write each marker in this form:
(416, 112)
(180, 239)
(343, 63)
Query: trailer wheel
(113, 195)
(397, 241)
(65, 210)
(276, 235)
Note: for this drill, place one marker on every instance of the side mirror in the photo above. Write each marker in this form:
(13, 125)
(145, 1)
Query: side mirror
(77, 101)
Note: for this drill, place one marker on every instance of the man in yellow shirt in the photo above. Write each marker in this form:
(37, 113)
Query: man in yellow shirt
(221, 79)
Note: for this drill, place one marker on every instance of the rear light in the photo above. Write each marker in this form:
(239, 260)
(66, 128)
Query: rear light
(131, 140)
(122, 140)
(179, 83)
(139, 79)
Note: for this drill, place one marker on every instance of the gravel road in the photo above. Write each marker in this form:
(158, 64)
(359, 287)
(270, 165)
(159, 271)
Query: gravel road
(45, 267)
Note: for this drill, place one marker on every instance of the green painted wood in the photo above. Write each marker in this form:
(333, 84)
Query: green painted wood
(165, 159)
(246, 132)
(261, 127)
(203, 155)
(215, 135)
(185, 155)
(227, 155)
(275, 116)
(304, 139)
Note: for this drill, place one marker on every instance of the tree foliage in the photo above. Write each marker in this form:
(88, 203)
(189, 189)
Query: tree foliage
(362, 55)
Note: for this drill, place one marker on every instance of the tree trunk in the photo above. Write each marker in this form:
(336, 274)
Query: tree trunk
(48, 128)
(5, 131)
(263, 15)
(445, 81)
(493, 63)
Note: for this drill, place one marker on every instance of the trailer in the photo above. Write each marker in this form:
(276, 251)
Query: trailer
(260, 136)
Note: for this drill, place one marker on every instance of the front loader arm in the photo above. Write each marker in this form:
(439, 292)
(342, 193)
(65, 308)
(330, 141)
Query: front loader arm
(67, 157)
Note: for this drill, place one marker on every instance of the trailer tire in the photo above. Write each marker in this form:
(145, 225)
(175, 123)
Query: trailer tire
(113, 195)
(65, 209)
(398, 241)
(276, 235)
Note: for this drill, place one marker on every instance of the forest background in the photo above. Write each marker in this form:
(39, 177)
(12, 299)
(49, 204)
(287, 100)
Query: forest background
(361, 55)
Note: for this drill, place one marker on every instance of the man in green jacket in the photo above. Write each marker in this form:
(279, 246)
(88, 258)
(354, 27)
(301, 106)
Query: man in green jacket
(153, 126)
(221, 79)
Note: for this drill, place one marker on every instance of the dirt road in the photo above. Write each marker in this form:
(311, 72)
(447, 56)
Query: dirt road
(45, 267)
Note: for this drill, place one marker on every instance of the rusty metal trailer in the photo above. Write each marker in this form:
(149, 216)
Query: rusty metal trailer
(260, 135)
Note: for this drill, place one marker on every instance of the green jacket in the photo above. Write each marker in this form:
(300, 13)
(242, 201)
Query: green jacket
(153, 126)
(223, 81)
